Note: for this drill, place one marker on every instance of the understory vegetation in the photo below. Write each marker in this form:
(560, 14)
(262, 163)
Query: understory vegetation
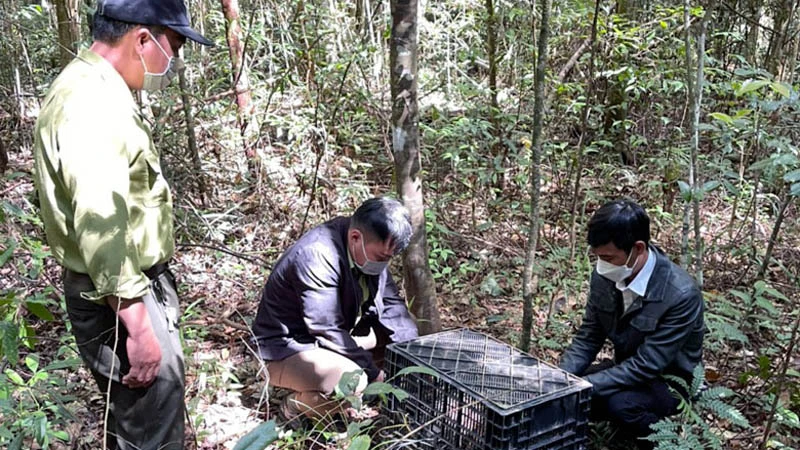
(316, 141)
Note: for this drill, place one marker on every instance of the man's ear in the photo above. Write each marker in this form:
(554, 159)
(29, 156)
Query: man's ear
(640, 246)
(140, 37)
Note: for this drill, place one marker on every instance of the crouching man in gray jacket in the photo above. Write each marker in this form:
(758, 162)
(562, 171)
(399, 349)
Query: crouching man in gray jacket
(652, 312)
(330, 306)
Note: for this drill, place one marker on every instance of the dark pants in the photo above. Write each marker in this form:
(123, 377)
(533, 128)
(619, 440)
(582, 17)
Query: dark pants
(634, 409)
(145, 418)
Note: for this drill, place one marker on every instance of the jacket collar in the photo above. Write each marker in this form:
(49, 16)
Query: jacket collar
(660, 277)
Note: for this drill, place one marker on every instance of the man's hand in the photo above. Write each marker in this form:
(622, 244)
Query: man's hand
(144, 350)
(144, 354)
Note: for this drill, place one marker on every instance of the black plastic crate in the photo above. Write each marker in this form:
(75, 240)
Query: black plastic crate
(488, 395)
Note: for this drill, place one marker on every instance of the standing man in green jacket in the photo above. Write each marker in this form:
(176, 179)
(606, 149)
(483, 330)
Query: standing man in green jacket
(107, 213)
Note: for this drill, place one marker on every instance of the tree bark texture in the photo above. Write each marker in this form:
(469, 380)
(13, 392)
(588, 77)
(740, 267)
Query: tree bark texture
(494, 108)
(191, 139)
(528, 288)
(68, 30)
(3, 158)
(773, 238)
(419, 285)
(241, 84)
(694, 172)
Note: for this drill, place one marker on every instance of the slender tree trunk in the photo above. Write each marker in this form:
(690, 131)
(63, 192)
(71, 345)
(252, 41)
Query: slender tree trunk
(590, 87)
(528, 288)
(241, 85)
(494, 106)
(785, 364)
(782, 12)
(68, 29)
(751, 39)
(193, 151)
(690, 93)
(3, 158)
(694, 173)
(787, 200)
(419, 285)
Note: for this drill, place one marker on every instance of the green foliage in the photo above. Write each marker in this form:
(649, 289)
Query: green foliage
(691, 429)
(259, 438)
(32, 405)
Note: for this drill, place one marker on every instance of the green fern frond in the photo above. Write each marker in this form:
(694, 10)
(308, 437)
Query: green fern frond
(725, 411)
(677, 380)
(698, 377)
(718, 392)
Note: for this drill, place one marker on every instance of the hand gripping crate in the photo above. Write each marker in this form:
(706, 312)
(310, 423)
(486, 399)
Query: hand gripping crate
(488, 396)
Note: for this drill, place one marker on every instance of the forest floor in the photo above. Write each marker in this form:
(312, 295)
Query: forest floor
(222, 261)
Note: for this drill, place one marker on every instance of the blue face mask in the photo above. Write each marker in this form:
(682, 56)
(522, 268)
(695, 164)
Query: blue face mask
(370, 267)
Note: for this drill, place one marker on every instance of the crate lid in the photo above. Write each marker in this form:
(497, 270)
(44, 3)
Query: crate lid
(504, 376)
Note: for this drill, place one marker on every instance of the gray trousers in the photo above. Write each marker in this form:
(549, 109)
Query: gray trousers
(149, 418)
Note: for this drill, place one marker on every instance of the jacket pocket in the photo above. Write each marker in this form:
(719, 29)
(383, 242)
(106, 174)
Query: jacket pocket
(644, 324)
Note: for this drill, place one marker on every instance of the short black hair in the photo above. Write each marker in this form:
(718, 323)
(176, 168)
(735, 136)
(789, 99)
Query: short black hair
(386, 219)
(110, 31)
(622, 222)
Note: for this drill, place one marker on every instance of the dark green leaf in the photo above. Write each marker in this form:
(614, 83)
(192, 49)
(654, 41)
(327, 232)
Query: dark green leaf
(360, 443)
(9, 347)
(709, 186)
(63, 364)
(16, 444)
(349, 383)
(259, 438)
(11, 245)
(378, 388)
(39, 310)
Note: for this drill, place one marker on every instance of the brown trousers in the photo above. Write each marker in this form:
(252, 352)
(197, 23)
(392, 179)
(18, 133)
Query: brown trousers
(313, 375)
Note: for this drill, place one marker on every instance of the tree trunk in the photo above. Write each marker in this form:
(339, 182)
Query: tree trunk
(528, 288)
(751, 39)
(783, 9)
(192, 140)
(590, 86)
(68, 30)
(787, 200)
(779, 387)
(3, 158)
(498, 155)
(694, 174)
(241, 85)
(419, 285)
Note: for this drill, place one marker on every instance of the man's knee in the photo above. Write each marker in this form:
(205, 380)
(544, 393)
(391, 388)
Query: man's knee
(632, 409)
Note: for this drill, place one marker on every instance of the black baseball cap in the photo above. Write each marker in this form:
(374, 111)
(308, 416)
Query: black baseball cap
(167, 13)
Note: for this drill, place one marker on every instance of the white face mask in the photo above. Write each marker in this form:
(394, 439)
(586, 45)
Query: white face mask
(157, 81)
(614, 272)
(370, 267)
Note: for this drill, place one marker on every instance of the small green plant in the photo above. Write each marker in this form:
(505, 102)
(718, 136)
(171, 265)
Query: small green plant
(690, 430)
(32, 406)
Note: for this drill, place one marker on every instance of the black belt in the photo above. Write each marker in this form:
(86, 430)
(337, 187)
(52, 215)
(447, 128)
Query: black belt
(151, 273)
(156, 270)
